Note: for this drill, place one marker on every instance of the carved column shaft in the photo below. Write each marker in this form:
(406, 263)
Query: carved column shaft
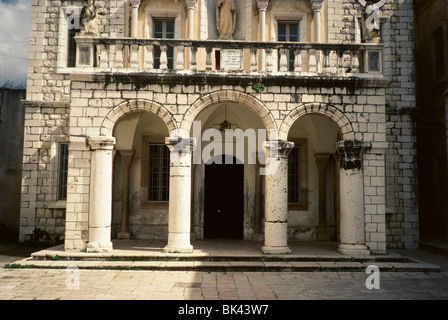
(321, 162)
(127, 156)
(134, 18)
(276, 197)
(100, 206)
(262, 7)
(352, 219)
(179, 210)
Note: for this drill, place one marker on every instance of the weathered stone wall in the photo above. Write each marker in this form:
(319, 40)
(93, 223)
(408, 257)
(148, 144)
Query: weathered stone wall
(58, 107)
(362, 108)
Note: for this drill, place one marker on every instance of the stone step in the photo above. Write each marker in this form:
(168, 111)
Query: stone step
(410, 265)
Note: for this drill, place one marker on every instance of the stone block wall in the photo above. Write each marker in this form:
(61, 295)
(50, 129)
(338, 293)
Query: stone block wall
(58, 107)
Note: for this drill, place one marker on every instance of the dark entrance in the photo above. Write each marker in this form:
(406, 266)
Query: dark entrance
(224, 199)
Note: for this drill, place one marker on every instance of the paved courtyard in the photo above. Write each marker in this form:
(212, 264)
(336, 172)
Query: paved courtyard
(71, 284)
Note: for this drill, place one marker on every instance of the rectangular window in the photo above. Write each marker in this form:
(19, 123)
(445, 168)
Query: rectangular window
(288, 31)
(158, 172)
(163, 29)
(298, 175)
(71, 48)
(62, 171)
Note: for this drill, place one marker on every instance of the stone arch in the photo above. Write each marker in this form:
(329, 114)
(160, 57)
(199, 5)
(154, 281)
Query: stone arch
(130, 106)
(227, 96)
(326, 110)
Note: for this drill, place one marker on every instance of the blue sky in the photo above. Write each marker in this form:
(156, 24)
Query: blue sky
(14, 32)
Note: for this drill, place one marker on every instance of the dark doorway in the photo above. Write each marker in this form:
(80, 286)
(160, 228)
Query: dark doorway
(224, 199)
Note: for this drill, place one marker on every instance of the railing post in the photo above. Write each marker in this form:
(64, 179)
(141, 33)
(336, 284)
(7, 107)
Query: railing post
(340, 61)
(298, 60)
(355, 61)
(180, 58)
(269, 61)
(193, 63)
(326, 61)
(149, 57)
(119, 55)
(208, 60)
(312, 67)
(134, 56)
(163, 57)
(103, 58)
(253, 59)
(283, 60)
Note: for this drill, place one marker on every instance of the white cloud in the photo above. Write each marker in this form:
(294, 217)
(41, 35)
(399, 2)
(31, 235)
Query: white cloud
(14, 34)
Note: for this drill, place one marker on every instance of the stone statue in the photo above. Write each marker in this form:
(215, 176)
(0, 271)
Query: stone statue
(225, 19)
(89, 24)
(370, 20)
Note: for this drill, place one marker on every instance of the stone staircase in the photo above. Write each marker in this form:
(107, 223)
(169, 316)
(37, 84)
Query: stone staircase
(314, 258)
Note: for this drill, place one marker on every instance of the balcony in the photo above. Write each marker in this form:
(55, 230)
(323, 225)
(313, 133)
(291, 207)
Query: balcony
(293, 60)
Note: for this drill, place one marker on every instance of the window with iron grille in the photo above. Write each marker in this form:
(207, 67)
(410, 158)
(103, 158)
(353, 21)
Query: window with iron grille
(298, 175)
(158, 172)
(294, 176)
(62, 171)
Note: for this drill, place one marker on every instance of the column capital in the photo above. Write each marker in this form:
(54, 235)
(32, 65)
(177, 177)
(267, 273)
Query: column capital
(127, 156)
(135, 3)
(316, 5)
(278, 148)
(102, 143)
(190, 3)
(351, 152)
(262, 4)
(180, 150)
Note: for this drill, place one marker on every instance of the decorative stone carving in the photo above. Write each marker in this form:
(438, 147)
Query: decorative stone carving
(89, 24)
(351, 153)
(370, 20)
(225, 19)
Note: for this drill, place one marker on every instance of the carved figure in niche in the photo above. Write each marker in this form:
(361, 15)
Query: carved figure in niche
(225, 19)
(89, 25)
(370, 20)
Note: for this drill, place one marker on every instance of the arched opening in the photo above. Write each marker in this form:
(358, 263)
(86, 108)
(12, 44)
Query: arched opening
(241, 142)
(313, 181)
(141, 177)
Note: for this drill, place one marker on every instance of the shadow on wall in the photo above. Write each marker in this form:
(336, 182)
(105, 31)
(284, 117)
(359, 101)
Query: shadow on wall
(11, 146)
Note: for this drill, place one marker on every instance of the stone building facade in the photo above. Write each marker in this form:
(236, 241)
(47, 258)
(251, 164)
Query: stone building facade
(126, 116)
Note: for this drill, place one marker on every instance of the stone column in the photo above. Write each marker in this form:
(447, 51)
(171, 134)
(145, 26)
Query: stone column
(257, 235)
(179, 212)
(127, 156)
(100, 204)
(352, 230)
(321, 162)
(316, 5)
(134, 18)
(190, 19)
(262, 7)
(276, 197)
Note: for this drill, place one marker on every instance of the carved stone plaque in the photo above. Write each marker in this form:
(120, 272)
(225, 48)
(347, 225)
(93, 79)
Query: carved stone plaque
(231, 59)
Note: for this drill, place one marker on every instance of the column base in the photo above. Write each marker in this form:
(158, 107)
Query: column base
(99, 247)
(353, 249)
(124, 235)
(275, 250)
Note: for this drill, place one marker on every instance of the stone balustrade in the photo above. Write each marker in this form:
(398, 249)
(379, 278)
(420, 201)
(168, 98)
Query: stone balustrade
(189, 56)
